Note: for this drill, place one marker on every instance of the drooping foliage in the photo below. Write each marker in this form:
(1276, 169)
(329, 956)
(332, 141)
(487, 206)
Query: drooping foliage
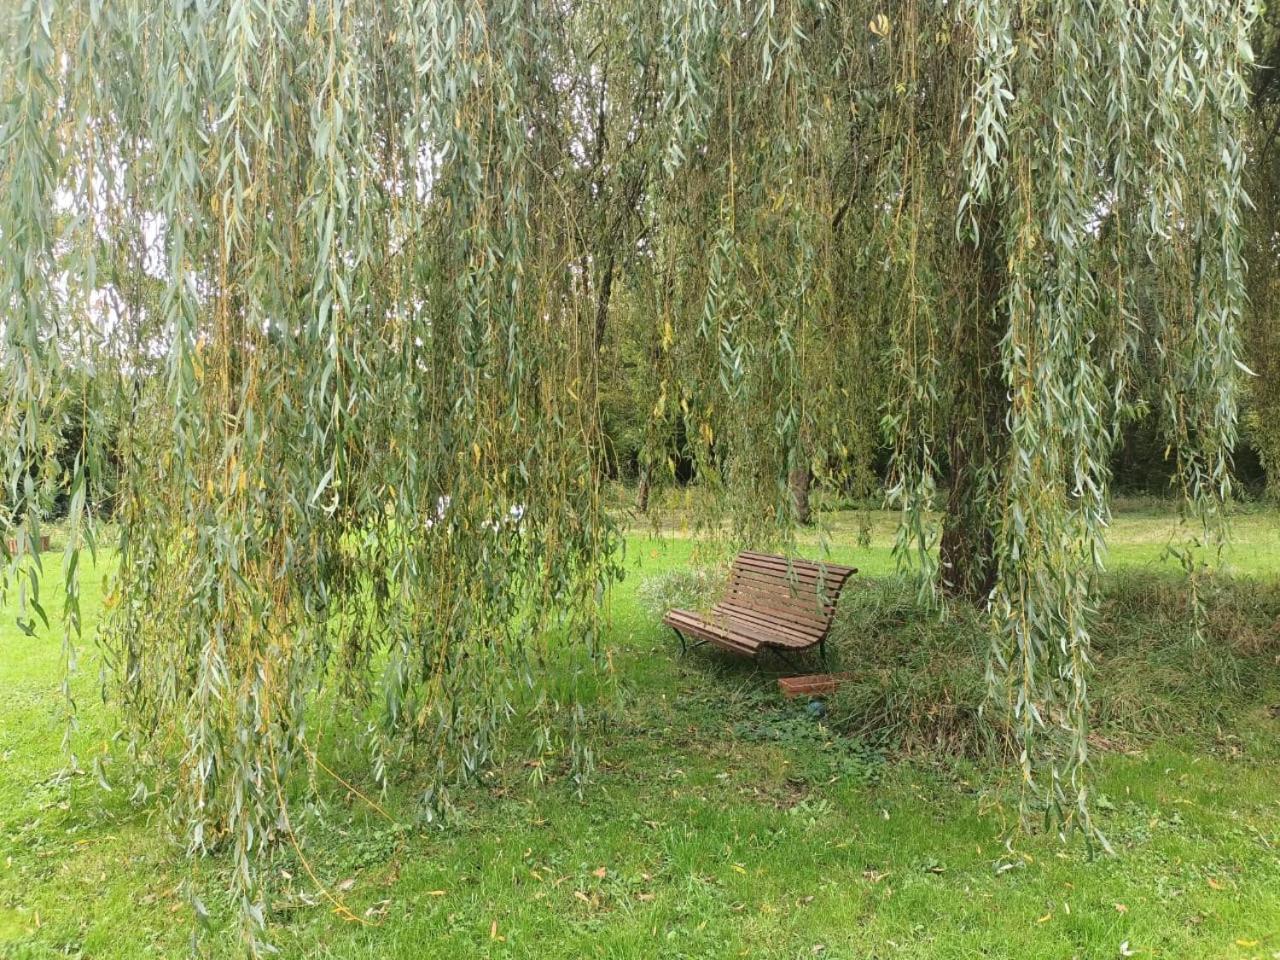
(1263, 252)
(358, 272)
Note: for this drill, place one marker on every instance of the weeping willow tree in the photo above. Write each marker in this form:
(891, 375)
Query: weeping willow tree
(1031, 214)
(1263, 252)
(333, 253)
(351, 271)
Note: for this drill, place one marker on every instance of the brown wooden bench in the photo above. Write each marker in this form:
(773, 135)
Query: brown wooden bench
(771, 602)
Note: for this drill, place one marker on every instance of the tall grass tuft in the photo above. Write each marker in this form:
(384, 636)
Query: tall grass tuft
(688, 588)
(918, 680)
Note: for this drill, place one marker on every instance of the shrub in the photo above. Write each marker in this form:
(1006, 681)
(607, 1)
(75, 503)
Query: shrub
(1154, 674)
(919, 681)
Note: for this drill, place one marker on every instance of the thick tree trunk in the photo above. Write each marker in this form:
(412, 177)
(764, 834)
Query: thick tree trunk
(977, 436)
(966, 552)
(799, 480)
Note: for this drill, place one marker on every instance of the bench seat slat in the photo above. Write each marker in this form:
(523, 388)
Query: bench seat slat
(702, 629)
(800, 628)
(739, 635)
(749, 620)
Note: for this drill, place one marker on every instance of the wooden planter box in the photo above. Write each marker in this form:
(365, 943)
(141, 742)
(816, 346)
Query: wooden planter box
(44, 543)
(812, 685)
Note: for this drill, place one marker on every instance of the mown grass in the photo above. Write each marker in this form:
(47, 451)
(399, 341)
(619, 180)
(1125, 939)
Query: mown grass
(722, 821)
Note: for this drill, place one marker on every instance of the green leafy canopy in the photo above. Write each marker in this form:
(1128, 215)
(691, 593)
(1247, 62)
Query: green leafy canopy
(347, 273)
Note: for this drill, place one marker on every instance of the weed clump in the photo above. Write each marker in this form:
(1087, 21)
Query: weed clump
(919, 684)
(688, 588)
(918, 680)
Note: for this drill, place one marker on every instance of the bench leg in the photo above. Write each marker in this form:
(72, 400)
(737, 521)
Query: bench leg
(685, 645)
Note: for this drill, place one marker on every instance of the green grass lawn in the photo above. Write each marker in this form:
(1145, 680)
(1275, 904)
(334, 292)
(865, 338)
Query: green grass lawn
(719, 824)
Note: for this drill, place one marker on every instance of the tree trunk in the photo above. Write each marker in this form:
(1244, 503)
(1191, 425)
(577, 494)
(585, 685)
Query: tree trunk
(978, 430)
(799, 479)
(966, 552)
(642, 491)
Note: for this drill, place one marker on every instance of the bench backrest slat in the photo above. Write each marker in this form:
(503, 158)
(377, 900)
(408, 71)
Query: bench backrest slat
(797, 596)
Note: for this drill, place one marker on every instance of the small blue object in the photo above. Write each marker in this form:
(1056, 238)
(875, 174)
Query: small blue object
(816, 709)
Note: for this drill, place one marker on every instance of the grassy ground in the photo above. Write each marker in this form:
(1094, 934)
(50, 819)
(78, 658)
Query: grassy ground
(723, 822)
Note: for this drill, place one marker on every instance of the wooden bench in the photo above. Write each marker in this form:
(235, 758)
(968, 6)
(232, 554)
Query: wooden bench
(771, 602)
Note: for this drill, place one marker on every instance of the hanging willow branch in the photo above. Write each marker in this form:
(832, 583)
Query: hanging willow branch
(342, 283)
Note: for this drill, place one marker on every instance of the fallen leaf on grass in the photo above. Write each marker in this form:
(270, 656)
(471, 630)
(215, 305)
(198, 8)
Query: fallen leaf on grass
(600, 872)
(346, 884)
